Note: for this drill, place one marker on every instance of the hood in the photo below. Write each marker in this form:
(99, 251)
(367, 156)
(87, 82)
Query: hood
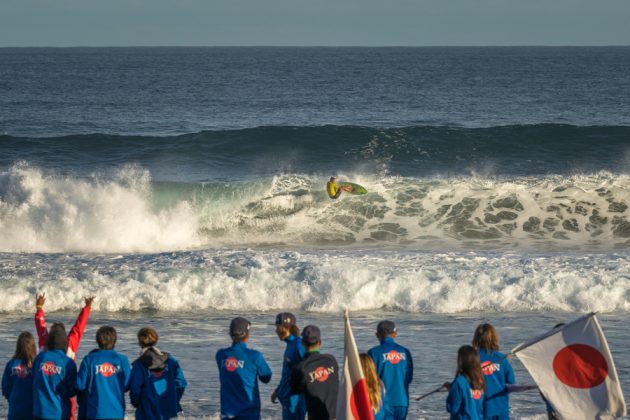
(153, 359)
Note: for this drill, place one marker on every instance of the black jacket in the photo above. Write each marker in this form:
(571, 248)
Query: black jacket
(317, 377)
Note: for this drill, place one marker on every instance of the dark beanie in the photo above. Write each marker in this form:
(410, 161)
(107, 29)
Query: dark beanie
(57, 340)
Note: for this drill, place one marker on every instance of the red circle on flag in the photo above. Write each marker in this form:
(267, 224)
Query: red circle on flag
(580, 366)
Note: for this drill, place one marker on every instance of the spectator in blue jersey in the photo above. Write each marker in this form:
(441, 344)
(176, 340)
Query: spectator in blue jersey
(394, 366)
(497, 373)
(103, 379)
(157, 381)
(240, 369)
(466, 392)
(17, 380)
(293, 405)
(54, 377)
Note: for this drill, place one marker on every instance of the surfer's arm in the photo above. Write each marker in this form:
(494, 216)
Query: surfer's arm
(40, 321)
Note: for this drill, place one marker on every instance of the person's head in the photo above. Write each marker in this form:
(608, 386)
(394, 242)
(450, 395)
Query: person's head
(239, 330)
(311, 337)
(468, 365)
(106, 337)
(25, 348)
(57, 337)
(486, 338)
(286, 325)
(371, 380)
(147, 337)
(386, 328)
(332, 179)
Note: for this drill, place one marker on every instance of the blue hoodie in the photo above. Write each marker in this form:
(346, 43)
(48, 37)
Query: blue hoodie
(395, 368)
(17, 387)
(156, 386)
(239, 371)
(54, 382)
(462, 402)
(293, 354)
(497, 373)
(102, 382)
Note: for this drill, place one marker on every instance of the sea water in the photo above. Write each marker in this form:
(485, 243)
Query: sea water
(185, 186)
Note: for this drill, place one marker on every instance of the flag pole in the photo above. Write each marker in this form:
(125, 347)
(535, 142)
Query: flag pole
(430, 393)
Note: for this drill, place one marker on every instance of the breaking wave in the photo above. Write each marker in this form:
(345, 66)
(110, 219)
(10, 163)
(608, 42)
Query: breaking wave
(130, 213)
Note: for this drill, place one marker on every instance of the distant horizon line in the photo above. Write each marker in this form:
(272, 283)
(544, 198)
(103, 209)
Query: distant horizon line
(326, 46)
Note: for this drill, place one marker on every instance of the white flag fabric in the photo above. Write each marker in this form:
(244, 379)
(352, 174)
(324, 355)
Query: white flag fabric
(353, 401)
(574, 370)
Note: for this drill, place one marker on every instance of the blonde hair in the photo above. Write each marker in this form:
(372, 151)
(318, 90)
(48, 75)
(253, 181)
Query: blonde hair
(372, 381)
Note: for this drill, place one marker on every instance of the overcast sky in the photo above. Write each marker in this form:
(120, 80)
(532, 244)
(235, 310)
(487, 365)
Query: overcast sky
(313, 22)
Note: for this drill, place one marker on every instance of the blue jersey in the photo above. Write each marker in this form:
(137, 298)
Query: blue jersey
(17, 388)
(156, 386)
(293, 354)
(54, 382)
(463, 402)
(239, 371)
(395, 368)
(101, 383)
(497, 373)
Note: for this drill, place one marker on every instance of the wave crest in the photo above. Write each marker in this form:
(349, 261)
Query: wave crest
(129, 213)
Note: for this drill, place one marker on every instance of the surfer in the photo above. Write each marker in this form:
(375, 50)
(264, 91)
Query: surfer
(334, 190)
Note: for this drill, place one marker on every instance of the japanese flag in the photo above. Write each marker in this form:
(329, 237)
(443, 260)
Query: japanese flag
(573, 367)
(353, 402)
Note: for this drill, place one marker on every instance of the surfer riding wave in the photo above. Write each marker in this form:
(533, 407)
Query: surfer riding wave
(334, 190)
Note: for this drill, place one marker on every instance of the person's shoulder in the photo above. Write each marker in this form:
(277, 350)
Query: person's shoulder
(222, 351)
(460, 382)
(172, 359)
(11, 363)
(329, 356)
(120, 356)
(376, 349)
(402, 348)
(253, 352)
(495, 356)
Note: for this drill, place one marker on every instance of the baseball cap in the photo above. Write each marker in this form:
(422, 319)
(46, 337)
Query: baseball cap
(311, 334)
(285, 318)
(386, 327)
(239, 326)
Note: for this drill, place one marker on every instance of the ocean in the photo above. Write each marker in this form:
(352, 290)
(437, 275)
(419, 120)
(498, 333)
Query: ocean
(185, 186)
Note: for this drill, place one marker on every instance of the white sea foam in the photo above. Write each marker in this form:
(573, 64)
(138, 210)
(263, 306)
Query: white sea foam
(54, 213)
(317, 281)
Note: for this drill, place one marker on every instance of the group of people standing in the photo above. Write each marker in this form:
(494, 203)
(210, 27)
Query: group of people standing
(48, 385)
(309, 380)
(44, 385)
